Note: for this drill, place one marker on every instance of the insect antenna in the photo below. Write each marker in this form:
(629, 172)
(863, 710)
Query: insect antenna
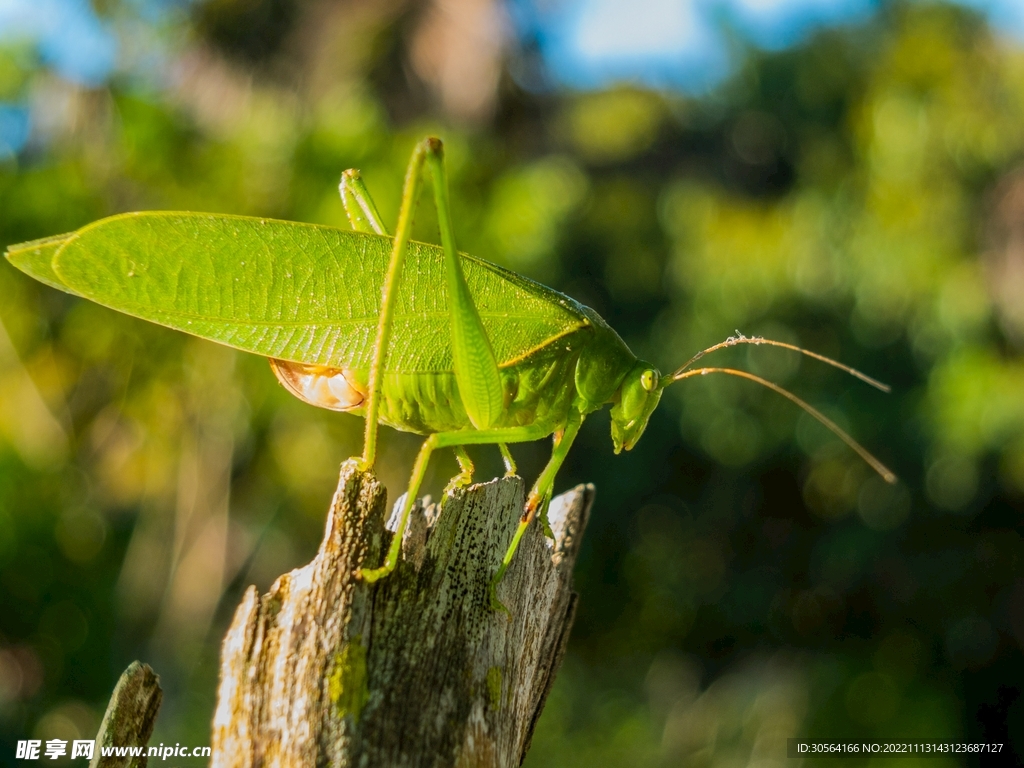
(739, 338)
(861, 451)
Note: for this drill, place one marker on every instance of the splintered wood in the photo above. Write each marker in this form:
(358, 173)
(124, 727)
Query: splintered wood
(416, 669)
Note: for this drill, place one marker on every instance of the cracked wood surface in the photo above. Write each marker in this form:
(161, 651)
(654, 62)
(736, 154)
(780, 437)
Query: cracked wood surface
(416, 669)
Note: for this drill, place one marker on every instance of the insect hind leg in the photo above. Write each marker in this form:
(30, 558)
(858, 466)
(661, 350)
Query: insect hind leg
(403, 233)
(475, 366)
(476, 369)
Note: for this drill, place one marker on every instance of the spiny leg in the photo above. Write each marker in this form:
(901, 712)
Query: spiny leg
(510, 463)
(539, 497)
(442, 440)
(389, 294)
(476, 369)
(359, 206)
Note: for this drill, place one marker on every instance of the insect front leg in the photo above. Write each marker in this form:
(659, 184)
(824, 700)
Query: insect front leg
(359, 206)
(545, 483)
(540, 496)
(442, 440)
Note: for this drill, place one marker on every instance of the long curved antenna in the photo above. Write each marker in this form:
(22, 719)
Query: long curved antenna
(739, 338)
(872, 462)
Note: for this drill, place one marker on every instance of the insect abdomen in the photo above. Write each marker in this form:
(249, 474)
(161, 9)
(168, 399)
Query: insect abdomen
(538, 389)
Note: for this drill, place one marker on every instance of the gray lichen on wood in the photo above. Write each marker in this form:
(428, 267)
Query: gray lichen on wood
(130, 716)
(416, 669)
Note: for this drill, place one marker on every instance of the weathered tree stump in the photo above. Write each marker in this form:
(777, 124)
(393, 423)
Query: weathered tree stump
(130, 717)
(416, 669)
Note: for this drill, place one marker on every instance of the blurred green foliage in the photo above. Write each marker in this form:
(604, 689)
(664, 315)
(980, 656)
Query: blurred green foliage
(745, 578)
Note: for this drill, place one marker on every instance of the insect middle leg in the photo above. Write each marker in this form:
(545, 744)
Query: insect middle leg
(441, 440)
(465, 476)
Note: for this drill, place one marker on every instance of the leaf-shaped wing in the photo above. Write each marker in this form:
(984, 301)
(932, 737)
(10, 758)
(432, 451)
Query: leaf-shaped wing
(35, 258)
(292, 291)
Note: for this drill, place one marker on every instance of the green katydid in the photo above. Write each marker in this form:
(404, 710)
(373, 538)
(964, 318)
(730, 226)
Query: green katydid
(415, 336)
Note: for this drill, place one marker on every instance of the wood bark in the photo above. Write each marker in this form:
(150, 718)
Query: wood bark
(416, 669)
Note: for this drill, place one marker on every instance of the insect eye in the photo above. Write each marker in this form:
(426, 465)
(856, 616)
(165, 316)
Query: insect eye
(648, 380)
